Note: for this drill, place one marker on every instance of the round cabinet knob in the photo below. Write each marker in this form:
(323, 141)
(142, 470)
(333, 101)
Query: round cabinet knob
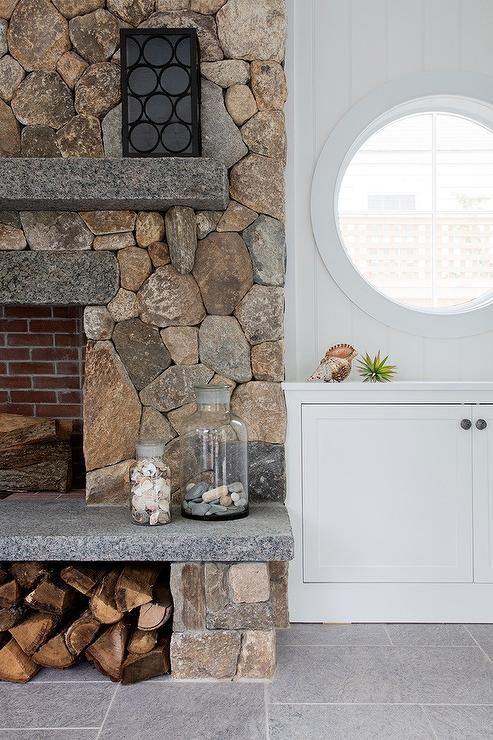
(466, 423)
(481, 424)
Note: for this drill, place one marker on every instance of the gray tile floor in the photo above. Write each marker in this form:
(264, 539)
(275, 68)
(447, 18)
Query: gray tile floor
(334, 681)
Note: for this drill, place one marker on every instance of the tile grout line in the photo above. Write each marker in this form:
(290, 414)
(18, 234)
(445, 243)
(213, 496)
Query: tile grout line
(387, 633)
(107, 711)
(477, 643)
(428, 721)
(266, 711)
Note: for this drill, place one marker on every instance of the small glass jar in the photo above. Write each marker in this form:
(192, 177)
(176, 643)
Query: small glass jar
(214, 459)
(150, 489)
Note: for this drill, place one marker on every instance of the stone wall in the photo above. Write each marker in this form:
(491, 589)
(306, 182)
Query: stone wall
(201, 294)
(225, 619)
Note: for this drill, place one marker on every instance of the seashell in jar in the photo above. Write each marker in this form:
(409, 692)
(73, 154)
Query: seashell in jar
(138, 503)
(154, 518)
(163, 517)
(149, 469)
(164, 506)
(214, 494)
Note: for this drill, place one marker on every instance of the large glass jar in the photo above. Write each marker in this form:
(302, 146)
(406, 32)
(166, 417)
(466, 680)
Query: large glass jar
(150, 489)
(213, 459)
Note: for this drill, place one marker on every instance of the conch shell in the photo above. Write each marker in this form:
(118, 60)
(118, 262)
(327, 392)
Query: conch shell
(335, 365)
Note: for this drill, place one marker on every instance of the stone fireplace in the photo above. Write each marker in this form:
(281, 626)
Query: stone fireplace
(174, 269)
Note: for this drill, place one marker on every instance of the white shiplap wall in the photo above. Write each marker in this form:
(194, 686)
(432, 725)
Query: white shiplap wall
(338, 51)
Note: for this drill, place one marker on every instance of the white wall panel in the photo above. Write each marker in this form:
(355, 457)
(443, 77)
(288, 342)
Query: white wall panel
(339, 50)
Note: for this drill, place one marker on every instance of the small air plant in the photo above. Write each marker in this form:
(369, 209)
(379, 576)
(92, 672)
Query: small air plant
(376, 370)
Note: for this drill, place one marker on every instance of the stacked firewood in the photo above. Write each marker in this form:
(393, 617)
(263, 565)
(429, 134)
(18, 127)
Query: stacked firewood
(116, 616)
(35, 454)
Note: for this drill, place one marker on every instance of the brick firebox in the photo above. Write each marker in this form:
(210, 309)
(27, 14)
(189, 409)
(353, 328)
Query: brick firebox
(42, 367)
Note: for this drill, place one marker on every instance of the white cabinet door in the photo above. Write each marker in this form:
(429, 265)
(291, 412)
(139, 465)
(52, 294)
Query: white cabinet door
(387, 493)
(483, 493)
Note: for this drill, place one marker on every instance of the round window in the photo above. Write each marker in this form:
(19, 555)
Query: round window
(415, 211)
(402, 205)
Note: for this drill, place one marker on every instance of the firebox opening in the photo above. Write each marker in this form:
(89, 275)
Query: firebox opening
(42, 369)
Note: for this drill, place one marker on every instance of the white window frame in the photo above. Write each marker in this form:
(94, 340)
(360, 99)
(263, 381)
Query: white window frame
(461, 93)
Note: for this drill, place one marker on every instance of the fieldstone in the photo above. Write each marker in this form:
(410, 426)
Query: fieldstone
(279, 593)
(141, 351)
(98, 90)
(112, 132)
(227, 72)
(114, 241)
(223, 347)
(207, 222)
(154, 425)
(204, 654)
(124, 305)
(258, 654)
(174, 387)
(109, 222)
(261, 406)
(10, 218)
(250, 30)
(159, 254)
(181, 234)
(70, 67)
(7, 8)
(266, 471)
(55, 230)
(149, 228)
(11, 237)
(261, 313)
(223, 270)
(182, 343)
(10, 138)
(135, 267)
(221, 139)
(241, 616)
(207, 7)
(188, 589)
(39, 141)
(268, 361)
(265, 134)
(11, 76)
(98, 323)
(223, 380)
(258, 183)
(216, 586)
(95, 35)
(249, 582)
(4, 47)
(80, 137)
(44, 99)
(38, 35)
(110, 485)
(179, 417)
(236, 217)
(111, 408)
(240, 103)
(170, 299)
(71, 8)
(131, 11)
(166, 5)
(205, 25)
(266, 242)
(269, 85)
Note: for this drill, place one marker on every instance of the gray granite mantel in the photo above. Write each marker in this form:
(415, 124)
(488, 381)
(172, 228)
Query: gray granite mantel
(70, 530)
(112, 184)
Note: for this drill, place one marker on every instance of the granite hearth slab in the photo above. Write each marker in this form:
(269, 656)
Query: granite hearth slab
(71, 530)
(112, 184)
(76, 278)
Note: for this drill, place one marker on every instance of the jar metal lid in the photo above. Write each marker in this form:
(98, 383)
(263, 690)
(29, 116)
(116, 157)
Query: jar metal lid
(149, 447)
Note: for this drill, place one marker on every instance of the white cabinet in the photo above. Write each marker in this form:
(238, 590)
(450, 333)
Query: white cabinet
(386, 493)
(390, 493)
